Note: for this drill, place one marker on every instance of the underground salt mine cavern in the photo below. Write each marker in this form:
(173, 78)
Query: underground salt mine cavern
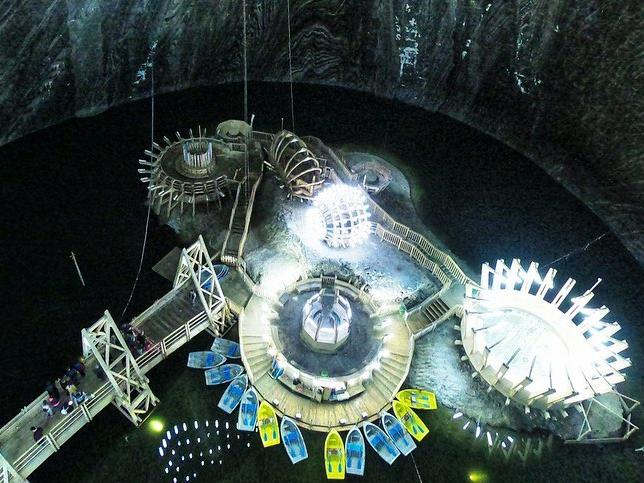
(288, 240)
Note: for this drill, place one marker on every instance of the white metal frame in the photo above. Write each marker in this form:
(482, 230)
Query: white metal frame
(196, 265)
(133, 396)
(7, 471)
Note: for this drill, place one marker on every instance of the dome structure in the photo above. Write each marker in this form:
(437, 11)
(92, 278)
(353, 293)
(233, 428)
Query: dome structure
(345, 215)
(539, 350)
(326, 320)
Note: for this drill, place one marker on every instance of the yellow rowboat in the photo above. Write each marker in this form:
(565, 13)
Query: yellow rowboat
(334, 456)
(417, 398)
(410, 420)
(269, 430)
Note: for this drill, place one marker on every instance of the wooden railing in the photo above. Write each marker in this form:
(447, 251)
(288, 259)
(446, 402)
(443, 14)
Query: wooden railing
(264, 138)
(232, 218)
(414, 252)
(15, 424)
(456, 310)
(387, 222)
(249, 213)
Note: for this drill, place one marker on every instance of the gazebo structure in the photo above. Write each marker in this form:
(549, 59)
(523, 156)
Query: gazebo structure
(194, 170)
(326, 320)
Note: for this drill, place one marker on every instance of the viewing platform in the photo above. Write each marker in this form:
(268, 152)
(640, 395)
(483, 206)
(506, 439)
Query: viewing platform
(361, 395)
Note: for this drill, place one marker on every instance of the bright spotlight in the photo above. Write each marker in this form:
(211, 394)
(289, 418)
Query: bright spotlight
(155, 425)
(343, 214)
(477, 476)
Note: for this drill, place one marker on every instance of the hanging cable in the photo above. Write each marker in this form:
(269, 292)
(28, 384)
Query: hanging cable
(577, 250)
(245, 65)
(416, 466)
(246, 162)
(147, 219)
(290, 62)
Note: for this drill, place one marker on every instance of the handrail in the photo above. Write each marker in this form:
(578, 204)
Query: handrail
(11, 426)
(249, 213)
(457, 310)
(157, 303)
(66, 427)
(232, 217)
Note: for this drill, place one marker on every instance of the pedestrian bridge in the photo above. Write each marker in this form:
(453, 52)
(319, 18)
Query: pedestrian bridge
(120, 376)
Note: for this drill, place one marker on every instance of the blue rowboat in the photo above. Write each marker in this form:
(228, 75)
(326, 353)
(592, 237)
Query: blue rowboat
(233, 394)
(355, 449)
(205, 360)
(293, 440)
(398, 434)
(247, 418)
(381, 443)
(225, 347)
(222, 374)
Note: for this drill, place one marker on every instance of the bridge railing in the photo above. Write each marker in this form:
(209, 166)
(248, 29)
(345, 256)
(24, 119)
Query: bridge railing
(174, 340)
(27, 412)
(62, 431)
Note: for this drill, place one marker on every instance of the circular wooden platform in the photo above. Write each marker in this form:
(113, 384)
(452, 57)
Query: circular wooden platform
(375, 395)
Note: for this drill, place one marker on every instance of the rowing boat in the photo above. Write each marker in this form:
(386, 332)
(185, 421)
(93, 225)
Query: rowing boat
(226, 347)
(233, 394)
(397, 433)
(410, 420)
(222, 374)
(355, 452)
(247, 418)
(205, 360)
(269, 430)
(334, 456)
(417, 398)
(293, 440)
(381, 443)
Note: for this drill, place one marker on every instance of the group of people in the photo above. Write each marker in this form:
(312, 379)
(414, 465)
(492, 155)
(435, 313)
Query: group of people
(63, 394)
(135, 339)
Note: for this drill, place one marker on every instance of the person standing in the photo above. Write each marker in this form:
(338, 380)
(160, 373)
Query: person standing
(52, 390)
(79, 366)
(71, 389)
(47, 409)
(37, 433)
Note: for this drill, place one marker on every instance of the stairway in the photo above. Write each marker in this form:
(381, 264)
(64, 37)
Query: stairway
(435, 310)
(421, 320)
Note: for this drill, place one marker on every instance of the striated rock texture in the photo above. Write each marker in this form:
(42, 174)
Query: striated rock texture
(559, 81)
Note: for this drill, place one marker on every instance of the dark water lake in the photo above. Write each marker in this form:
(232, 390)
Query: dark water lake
(74, 187)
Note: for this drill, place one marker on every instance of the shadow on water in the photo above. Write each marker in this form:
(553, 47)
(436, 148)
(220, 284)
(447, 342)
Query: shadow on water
(74, 187)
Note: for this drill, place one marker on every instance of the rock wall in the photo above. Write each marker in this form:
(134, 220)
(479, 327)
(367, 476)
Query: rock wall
(556, 80)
